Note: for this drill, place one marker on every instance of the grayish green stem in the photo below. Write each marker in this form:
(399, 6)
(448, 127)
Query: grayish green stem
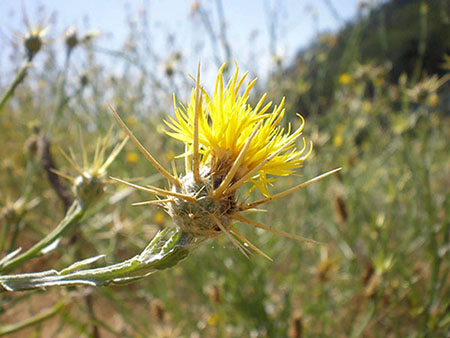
(72, 217)
(167, 248)
(12, 87)
(11, 328)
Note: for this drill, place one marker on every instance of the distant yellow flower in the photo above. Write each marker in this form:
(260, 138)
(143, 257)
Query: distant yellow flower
(338, 138)
(132, 157)
(366, 106)
(214, 319)
(227, 122)
(433, 100)
(132, 120)
(170, 155)
(378, 81)
(159, 218)
(345, 79)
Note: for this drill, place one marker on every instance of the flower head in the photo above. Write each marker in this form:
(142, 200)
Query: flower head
(72, 38)
(227, 124)
(89, 185)
(228, 143)
(33, 39)
(13, 211)
(426, 90)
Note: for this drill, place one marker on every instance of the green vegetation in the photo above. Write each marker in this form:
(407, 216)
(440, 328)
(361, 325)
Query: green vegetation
(384, 219)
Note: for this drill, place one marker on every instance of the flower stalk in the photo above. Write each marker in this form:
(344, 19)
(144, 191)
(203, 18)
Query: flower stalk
(40, 317)
(73, 216)
(20, 76)
(33, 42)
(167, 248)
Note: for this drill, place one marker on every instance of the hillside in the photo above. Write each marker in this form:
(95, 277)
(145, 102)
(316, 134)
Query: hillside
(403, 36)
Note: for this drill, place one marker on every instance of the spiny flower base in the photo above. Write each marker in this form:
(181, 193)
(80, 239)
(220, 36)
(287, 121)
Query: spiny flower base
(205, 216)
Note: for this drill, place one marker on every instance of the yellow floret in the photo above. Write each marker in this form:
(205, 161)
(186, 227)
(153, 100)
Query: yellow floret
(226, 122)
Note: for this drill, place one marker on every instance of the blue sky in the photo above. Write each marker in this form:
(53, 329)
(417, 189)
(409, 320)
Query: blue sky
(247, 23)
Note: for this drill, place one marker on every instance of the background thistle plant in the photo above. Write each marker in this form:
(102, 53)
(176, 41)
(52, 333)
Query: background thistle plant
(90, 183)
(88, 188)
(33, 41)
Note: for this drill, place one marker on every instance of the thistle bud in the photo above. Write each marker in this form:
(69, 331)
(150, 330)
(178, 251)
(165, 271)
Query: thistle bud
(9, 214)
(71, 38)
(13, 212)
(168, 69)
(84, 80)
(33, 40)
(88, 188)
(33, 44)
(89, 185)
(90, 35)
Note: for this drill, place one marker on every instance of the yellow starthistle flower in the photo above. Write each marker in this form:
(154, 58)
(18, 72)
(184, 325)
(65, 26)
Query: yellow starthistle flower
(226, 123)
(228, 143)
